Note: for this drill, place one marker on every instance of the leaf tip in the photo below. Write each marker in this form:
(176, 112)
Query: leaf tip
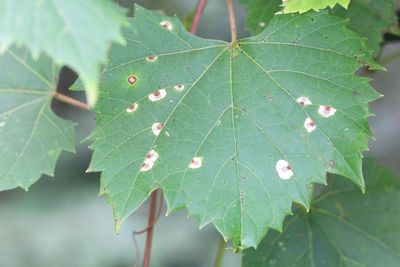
(117, 225)
(102, 191)
(3, 48)
(169, 211)
(91, 94)
(363, 190)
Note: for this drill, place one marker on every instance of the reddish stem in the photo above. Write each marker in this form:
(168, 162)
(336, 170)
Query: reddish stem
(232, 20)
(71, 101)
(160, 205)
(197, 17)
(149, 235)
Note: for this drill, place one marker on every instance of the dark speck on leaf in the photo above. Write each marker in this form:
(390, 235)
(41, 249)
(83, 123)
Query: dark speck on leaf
(378, 16)
(332, 163)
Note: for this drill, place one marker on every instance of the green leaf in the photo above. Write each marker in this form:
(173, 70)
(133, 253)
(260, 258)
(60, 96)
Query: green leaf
(72, 32)
(260, 13)
(371, 19)
(31, 135)
(301, 6)
(343, 228)
(234, 106)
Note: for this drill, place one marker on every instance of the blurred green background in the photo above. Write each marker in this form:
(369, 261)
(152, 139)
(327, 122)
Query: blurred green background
(62, 222)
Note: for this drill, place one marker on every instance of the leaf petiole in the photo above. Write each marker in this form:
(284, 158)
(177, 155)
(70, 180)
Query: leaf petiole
(232, 20)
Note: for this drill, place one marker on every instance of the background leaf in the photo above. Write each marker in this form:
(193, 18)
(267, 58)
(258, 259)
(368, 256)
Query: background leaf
(371, 19)
(77, 37)
(301, 6)
(343, 228)
(31, 135)
(260, 13)
(235, 107)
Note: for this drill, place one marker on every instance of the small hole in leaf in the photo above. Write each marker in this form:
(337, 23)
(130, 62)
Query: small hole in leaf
(303, 101)
(152, 156)
(157, 95)
(152, 58)
(146, 166)
(326, 111)
(179, 87)
(166, 25)
(195, 163)
(283, 169)
(156, 128)
(132, 108)
(132, 79)
(310, 125)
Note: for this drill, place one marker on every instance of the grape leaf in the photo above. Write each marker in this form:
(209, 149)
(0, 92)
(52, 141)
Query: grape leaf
(371, 18)
(72, 32)
(260, 13)
(301, 6)
(344, 228)
(229, 115)
(31, 135)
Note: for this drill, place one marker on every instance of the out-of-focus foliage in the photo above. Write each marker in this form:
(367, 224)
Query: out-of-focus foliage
(343, 228)
(71, 32)
(31, 135)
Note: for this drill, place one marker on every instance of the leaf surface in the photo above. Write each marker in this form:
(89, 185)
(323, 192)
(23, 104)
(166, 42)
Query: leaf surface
(234, 108)
(301, 6)
(344, 228)
(72, 32)
(31, 135)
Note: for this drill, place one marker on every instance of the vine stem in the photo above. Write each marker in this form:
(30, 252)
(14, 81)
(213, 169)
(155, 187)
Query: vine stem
(71, 101)
(220, 253)
(150, 228)
(201, 5)
(232, 20)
